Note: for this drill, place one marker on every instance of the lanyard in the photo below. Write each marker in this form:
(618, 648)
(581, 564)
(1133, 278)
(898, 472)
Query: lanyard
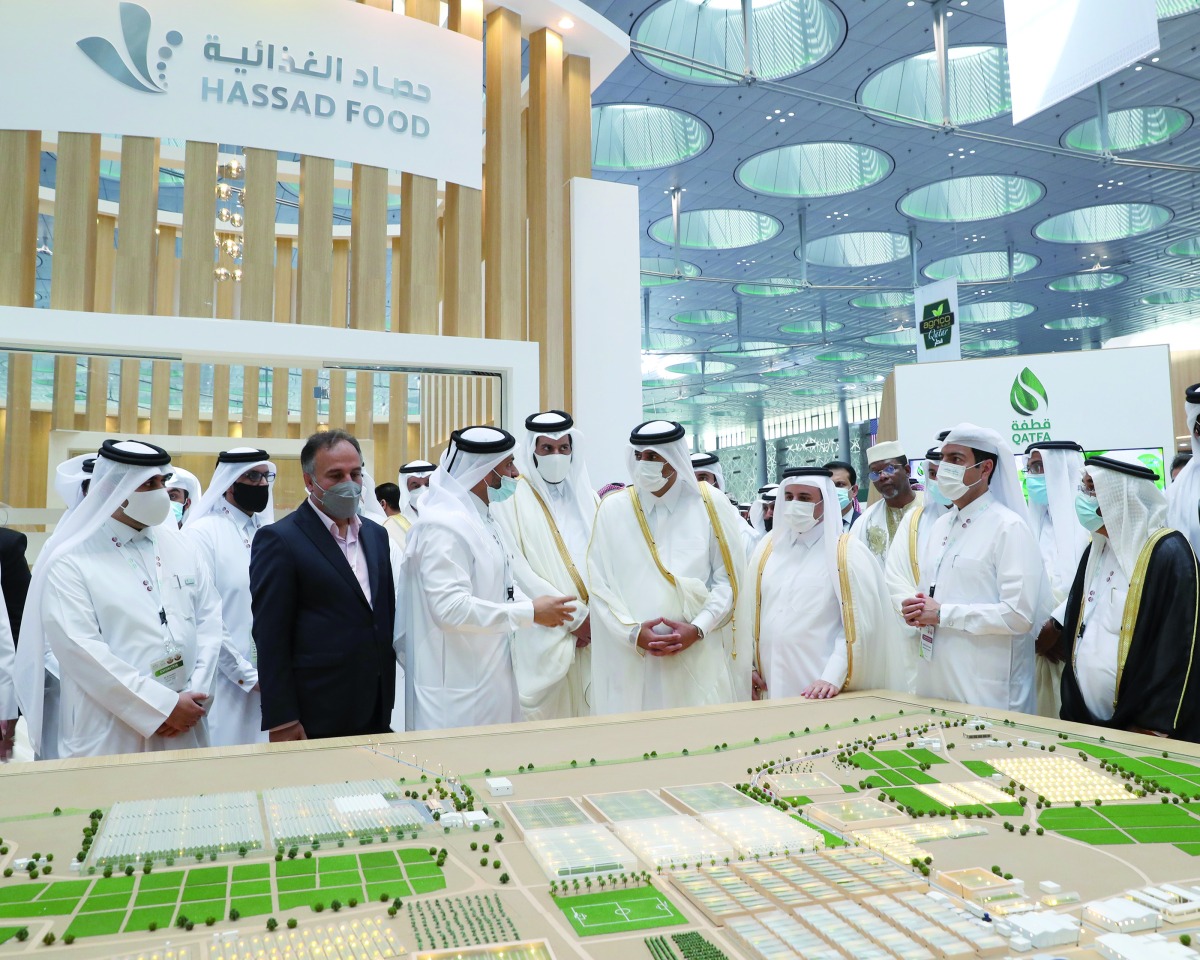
(142, 573)
(951, 540)
(508, 580)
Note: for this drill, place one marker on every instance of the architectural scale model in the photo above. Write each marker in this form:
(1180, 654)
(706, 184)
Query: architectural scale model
(868, 827)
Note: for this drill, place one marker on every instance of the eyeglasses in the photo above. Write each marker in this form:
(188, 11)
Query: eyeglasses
(889, 471)
(257, 476)
(1036, 469)
(1086, 491)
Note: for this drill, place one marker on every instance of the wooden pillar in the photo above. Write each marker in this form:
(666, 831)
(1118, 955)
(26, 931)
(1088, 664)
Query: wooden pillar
(164, 306)
(226, 293)
(280, 376)
(258, 265)
(96, 411)
(338, 318)
(19, 169)
(314, 277)
(545, 180)
(504, 212)
(368, 274)
(73, 267)
(397, 434)
(577, 158)
(196, 284)
(415, 282)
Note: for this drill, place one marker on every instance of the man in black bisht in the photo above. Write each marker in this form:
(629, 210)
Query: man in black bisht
(1129, 640)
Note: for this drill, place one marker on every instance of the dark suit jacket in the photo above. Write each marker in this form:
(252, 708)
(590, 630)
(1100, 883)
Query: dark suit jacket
(325, 655)
(14, 575)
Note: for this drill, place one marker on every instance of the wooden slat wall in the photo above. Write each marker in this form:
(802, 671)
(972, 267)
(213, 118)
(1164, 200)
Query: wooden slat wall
(577, 159)
(197, 295)
(504, 207)
(164, 306)
(314, 273)
(258, 266)
(96, 412)
(73, 267)
(283, 314)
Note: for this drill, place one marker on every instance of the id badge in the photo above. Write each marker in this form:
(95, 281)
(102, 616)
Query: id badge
(927, 635)
(169, 672)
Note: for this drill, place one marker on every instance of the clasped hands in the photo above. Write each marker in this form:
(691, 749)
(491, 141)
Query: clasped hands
(679, 638)
(921, 611)
(188, 711)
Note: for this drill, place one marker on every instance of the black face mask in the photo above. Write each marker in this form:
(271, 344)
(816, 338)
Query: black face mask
(251, 496)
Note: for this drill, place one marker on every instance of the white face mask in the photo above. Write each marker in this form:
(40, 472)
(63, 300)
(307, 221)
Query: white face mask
(150, 507)
(796, 515)
(415, 495)
(554, 467)
(950, 480)
(648, 475)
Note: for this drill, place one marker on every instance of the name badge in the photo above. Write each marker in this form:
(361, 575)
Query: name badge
(169, 672)
(927, 635)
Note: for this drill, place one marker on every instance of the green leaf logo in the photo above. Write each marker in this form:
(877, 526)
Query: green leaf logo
(1027, 393)
(939, 309)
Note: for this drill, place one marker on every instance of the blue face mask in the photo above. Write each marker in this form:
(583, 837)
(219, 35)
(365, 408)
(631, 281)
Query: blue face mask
(508, 486)
(843, 498)
(177, 512)
(935, 494)
(1088, 510)
(1035, 487)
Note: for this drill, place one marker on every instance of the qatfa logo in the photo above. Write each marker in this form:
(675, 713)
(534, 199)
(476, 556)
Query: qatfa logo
(1027, 396)
(133, 69)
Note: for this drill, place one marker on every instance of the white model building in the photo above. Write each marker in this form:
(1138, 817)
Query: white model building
(1119, 915)
(499, 786)
(1044, 930)
(1121, 946)
(1174, 904)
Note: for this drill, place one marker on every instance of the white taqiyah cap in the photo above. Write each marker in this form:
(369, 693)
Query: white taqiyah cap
(885, 450)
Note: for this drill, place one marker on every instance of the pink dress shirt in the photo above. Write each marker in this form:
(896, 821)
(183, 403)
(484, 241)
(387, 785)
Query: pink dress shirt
(349, 546)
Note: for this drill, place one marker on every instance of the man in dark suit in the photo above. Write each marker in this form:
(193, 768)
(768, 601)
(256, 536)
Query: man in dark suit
(14, 575)
(324, 605)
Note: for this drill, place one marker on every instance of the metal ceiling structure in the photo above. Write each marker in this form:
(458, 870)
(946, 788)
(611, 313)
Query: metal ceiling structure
(812, 183)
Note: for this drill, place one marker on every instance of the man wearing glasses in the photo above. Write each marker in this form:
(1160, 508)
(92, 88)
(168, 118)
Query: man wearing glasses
(889, 476)
(222, 525)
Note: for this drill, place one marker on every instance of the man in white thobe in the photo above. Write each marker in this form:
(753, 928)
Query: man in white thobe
(902, 569)
(548, 523)
(413, 481)
(762, 510)
(814, 603)
(1129, 633)
(1183, 495)
(222, 526)
(983, 591)
(888, 474)
(664, 564)
(8, 693)
(125, 603)
(462, 605)
(1052, 472)
(185, 491)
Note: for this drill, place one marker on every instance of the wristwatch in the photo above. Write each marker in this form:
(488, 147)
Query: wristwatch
(699, 633)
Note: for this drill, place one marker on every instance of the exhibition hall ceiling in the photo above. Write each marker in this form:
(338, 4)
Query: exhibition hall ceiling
(843, 123)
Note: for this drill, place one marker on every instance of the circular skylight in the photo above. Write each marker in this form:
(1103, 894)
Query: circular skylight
(1185, 248)
(989, 346)
(910, 88)
(696, 367)
(814, 169)
(996, 311)
(808, 328)
(657, 340)
(1102, 223)
(989, 265)
(665, 265)
(1084, 282)
(860, 378)
(807, 392)
(702, 398)
(752, 348)
(856, 249)
(789, 36)
(841, 356)
(963, 199)
(636, 136)
(705, 318)
(893, 338)
(654, 384)
(736, 386)
(775, 287)
(888, 300)
(789, 373)
(1076, 323)
(1130, 129)
(717, 229)
(1178, 295)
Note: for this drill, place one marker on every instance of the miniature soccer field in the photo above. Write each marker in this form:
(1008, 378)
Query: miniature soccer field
(619, 911)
